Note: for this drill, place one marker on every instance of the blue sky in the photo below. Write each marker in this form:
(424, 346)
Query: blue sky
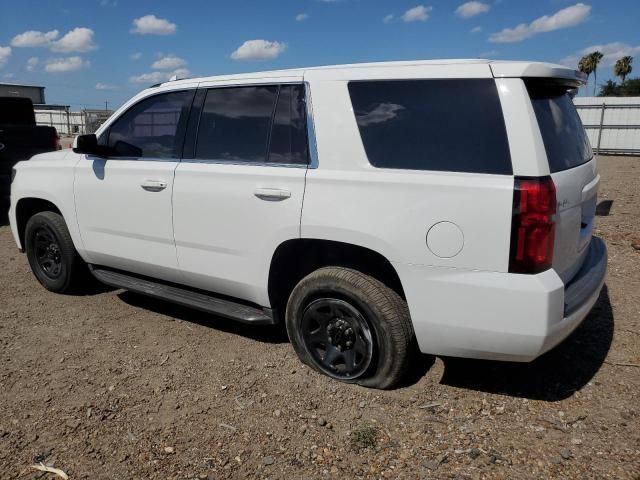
(87, 52)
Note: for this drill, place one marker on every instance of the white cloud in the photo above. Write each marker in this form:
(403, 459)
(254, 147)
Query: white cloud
(8, 76)
(170, 62)
(136, 56)
(419, 13)
(388, 18)
(105, 86)
(476, 29)
(33, 38)
(259, 50)
(32, 63)
(611, 52)
(79, 39)
(301, 17)
(66, 64)
(565, 18)
(471, 9)
(152, 25)
(158, 77)
(5, 53)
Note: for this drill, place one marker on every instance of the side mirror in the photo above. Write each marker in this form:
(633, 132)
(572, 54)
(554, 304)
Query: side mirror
(88, 144)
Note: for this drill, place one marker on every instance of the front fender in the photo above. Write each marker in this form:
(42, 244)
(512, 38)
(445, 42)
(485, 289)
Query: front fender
(50, 178)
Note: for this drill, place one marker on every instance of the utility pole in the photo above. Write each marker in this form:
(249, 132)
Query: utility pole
(106, 106)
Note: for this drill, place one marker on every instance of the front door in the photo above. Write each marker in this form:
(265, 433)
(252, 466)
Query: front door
(124, 201)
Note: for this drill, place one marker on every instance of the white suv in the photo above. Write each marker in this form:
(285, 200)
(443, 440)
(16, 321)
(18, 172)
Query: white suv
(380, 209)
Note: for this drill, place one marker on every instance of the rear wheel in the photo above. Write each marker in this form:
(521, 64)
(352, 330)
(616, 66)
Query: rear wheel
(350, 327)
(51, 253)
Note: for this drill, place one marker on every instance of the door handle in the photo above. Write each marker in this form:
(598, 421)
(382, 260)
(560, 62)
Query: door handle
(272, 194)
(154, 185)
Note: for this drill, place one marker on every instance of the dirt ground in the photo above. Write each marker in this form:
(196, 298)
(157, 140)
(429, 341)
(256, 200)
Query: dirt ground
(113, 385)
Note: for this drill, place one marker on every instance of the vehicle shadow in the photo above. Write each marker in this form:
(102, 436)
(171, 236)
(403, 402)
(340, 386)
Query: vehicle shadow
(556, 375)
(604, 208)
(4, 216)
(261, 333)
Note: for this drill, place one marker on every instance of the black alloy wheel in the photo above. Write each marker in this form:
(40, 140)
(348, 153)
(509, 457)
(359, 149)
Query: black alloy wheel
(338, 337)
(47, 252)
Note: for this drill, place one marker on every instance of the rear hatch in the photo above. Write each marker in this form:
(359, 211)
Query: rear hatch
(573, 170)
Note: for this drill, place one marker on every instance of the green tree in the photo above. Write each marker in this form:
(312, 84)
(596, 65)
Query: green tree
(609, 89)
(631, 88)
(585, 65)
(623, 67)
(595, 60)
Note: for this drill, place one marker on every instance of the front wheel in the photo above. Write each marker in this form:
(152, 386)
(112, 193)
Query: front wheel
(351, 327)
(51, 253)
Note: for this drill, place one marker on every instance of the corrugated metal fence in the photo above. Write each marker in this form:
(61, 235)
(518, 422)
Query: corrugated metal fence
(612, 123)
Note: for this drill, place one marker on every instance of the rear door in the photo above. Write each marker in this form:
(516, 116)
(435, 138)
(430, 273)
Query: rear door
(573, 169)
(239, 187)
(123, 202)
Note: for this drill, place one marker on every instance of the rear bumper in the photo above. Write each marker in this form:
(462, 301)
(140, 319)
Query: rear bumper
(499, 316)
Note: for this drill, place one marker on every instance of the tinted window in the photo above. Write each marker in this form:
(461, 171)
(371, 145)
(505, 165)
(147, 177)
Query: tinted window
(289, 131)
(152, 128)
(565, 140)
(235, 124)
(446, 125)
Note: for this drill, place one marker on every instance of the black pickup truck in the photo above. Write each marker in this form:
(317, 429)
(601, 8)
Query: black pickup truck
(20, 139)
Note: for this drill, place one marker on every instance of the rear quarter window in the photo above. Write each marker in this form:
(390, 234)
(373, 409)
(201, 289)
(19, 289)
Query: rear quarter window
(563, 134)
(453, 125)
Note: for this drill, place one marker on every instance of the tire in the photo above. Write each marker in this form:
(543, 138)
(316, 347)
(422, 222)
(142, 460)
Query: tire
(375, 346)
(52, 256)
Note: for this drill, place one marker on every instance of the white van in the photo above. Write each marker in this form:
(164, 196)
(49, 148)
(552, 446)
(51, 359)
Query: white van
(379, 209)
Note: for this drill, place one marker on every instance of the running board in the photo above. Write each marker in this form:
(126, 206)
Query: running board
(187, 298)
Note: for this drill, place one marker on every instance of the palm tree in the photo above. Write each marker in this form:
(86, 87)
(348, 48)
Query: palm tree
(623, 68)
(585, 65)
(595, 60)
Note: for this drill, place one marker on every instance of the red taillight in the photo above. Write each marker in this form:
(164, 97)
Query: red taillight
(533, 225)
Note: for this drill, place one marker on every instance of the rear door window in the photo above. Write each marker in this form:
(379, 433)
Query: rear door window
(254, 124)
(443, 125)
(235, 123)
(288, 143)
(563, 134)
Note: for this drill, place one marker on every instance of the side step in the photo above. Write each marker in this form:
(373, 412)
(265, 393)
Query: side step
(182, 296)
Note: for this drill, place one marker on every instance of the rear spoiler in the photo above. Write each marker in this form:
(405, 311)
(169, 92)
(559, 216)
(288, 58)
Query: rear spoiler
(558, 73)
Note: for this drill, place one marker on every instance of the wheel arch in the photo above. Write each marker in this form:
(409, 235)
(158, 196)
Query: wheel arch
(294, 259)
(26, 208)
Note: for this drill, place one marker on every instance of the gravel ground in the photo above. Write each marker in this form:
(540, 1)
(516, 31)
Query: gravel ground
(113, 385)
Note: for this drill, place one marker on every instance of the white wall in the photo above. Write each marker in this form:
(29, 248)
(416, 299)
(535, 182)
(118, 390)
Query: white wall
(58, 119)
(620, 123)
